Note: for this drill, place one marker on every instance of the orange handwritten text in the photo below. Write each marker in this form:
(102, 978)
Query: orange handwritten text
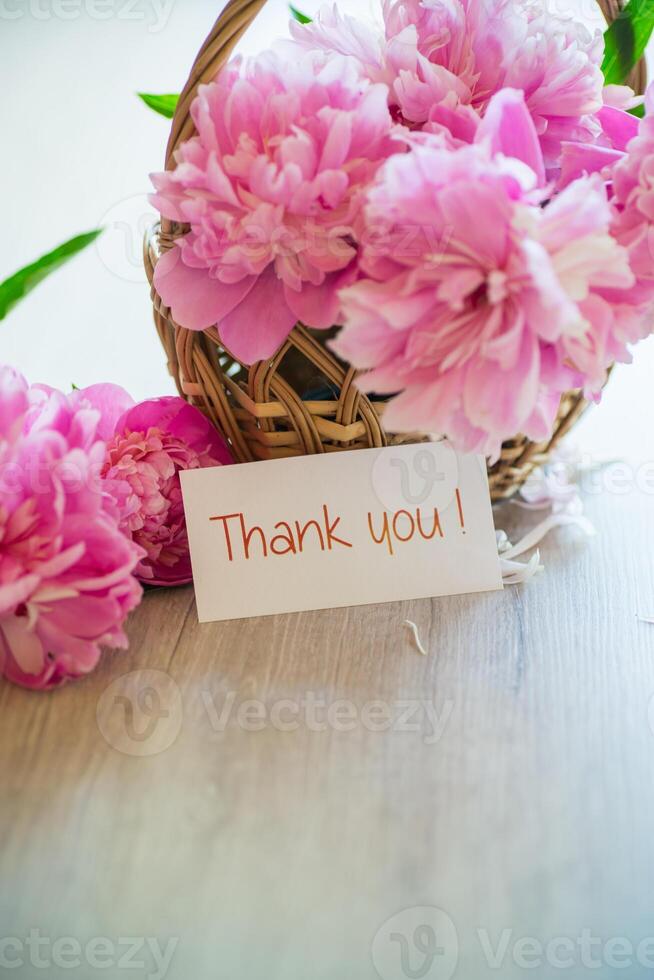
(250, 542)
(403, 526)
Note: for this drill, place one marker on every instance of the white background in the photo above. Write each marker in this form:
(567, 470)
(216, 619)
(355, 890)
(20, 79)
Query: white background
(77, 150)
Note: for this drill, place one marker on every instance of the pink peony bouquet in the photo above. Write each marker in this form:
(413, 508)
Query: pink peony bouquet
(90, 503)
(456, 188)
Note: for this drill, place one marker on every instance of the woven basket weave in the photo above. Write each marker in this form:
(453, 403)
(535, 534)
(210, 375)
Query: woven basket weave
(259, 408)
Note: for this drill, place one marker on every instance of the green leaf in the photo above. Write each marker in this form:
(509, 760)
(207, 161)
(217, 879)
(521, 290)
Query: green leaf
(626, 39)
(638, 110)
(23, 282)
(165, 105)
(299, 16)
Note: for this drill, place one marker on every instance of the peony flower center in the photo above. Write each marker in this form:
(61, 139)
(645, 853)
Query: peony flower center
(497, 286)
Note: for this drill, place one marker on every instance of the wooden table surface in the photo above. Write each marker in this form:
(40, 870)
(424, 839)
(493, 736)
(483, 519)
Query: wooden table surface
(506, 779)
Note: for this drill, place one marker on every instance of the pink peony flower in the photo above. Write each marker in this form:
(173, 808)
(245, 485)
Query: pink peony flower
(617, 129)
(632, 181)
(66, 583)
(485, 309)
(149, 445)
(452, 56)
(272, 187)
(625, 159)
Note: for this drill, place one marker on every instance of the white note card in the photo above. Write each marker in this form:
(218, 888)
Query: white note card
(339, 529)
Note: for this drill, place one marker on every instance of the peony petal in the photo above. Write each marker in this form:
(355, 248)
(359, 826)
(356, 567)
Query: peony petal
(425, 407)
(13, 402)
(509, 128)
(14, 593)
(621, 127)
(649, 100)
(25, 646)
(183, 421)
(580, 160)
(621, 97)
(257, 327)
(196, 300)
(501, 401)
(320, 306)
(110, 400)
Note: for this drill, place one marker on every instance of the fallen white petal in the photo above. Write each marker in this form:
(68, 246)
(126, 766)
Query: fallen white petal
(416, 636)
(551, 487)
(517, 572)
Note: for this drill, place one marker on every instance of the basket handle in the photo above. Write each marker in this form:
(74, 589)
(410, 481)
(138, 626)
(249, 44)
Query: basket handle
(232, 24)
(230, 27)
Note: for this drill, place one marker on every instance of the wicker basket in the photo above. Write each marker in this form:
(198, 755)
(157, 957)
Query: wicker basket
(258, 407)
